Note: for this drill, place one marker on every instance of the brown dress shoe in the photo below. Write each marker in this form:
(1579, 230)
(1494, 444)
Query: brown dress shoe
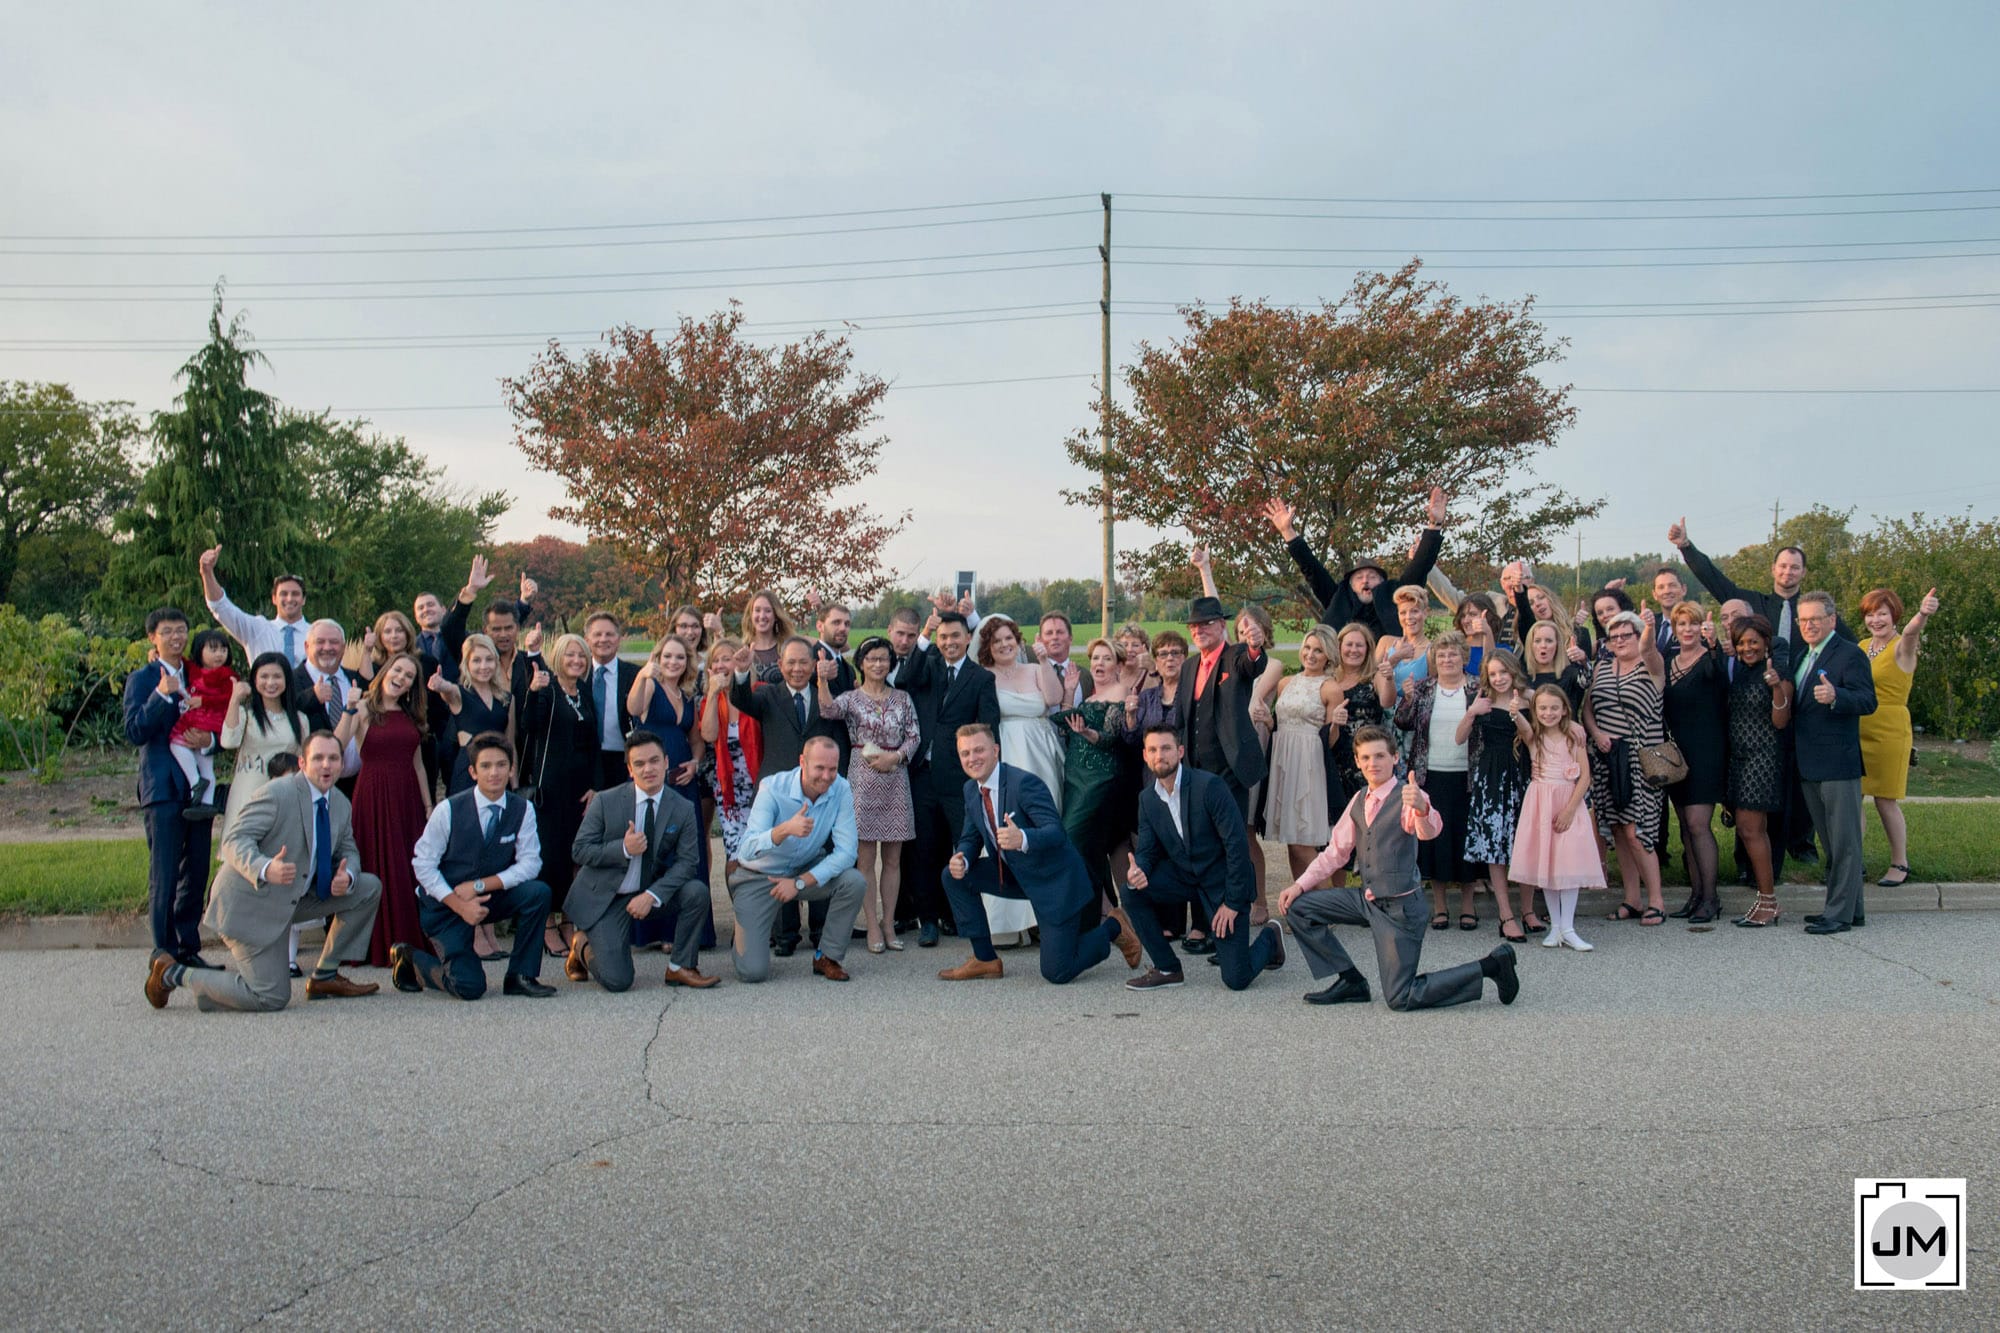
(573, 965)
(1128, 939)
(337, 987)
(972, 969)
(157, 989)
(829, 969)
(693, 976)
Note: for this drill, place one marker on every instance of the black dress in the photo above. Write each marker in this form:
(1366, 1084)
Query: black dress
(560, 760)
(1343, 775)
(1697, 712)
(1569, 681)
(1500, 771)
(1756, 747)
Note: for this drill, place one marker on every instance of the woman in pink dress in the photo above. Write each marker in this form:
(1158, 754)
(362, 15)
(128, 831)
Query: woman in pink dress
(1555, 847)
(392, 799)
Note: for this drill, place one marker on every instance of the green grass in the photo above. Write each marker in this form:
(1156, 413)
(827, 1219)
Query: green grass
(1951, 843)
(74, 878)
(1950, 771)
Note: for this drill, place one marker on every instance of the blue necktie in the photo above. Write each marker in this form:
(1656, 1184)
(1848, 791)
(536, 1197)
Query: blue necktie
(291, 643)
(322, 851)
(799, 709)
(492, 825)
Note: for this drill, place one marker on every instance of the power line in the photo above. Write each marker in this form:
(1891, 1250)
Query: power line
(556, 291)
(1634, 263)
(560, 245)
(550, 230)
(1562, 249)
(1565, 217)
(1643, 199)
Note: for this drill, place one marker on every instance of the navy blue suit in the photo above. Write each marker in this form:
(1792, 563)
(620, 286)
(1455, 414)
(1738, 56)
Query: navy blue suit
(177, 851)
(1047, 872)
(1826, 743)
(1209, 866)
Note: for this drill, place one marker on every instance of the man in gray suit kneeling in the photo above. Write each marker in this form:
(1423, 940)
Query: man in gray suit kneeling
(636, 854)
(289, 857)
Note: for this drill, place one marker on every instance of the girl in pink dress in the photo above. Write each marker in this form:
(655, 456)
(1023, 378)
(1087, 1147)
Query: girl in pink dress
(1554, 849)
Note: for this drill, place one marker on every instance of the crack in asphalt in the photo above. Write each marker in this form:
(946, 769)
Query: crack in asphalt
(1946, 983)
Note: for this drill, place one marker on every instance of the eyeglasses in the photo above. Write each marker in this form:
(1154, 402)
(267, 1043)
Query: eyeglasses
(1813, 620)
(1623, 636)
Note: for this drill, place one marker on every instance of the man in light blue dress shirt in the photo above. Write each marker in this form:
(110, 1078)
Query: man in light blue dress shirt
(798, 846)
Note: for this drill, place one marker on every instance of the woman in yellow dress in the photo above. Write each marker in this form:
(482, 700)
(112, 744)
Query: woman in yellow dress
(1886, 734)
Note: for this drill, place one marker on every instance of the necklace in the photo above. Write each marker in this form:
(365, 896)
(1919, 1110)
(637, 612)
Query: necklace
(1875, 651)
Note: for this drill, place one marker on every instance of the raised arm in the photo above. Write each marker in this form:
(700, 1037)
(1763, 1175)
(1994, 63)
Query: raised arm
(1322, 584)
(1720, 586)
(1913, 633)
(1198, 557)
(1424, 559)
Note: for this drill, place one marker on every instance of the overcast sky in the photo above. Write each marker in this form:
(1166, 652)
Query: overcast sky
(150, 122)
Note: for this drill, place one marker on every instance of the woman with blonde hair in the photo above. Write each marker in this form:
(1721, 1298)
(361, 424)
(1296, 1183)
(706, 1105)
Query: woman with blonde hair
(1310, 711)
(1408, 653)
(1547, 657)
(765, 629)
(560, 741)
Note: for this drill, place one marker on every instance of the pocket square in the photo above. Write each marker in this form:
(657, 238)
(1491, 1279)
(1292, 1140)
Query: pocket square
(508, 837)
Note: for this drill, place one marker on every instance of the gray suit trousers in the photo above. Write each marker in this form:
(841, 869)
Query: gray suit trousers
(1398, 925)
(263, 979)
(607, 949)
(755, 908)
(1836, 813)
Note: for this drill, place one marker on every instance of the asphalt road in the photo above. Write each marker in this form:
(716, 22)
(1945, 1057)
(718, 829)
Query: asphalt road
(1662, 1134)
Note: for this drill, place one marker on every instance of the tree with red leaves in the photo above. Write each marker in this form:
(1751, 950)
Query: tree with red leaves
(713, 465)
(1351, 412)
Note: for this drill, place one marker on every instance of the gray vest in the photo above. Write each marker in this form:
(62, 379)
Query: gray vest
(467, 854)
(1384, 853)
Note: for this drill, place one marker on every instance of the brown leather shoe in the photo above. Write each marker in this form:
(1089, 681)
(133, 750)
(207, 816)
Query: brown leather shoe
(573, 965)
(337, 987)
(693, 976)
(973, 969)
(1128, 939)
(157, 989)
(829, 969)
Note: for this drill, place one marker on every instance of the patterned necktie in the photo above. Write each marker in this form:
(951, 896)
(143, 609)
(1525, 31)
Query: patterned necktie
(292, 644)
(322, 851)
(992, 822)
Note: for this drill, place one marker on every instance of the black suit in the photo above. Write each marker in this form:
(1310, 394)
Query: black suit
(937, 779)
(318, 716)
(1229, 690)
(842, 682)
(611, 763)
(1377, 611)
(1209, 865)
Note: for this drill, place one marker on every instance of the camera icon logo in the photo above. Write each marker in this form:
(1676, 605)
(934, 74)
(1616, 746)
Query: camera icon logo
(1909, 1235)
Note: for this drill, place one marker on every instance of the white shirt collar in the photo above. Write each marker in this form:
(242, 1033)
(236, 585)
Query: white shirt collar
(481, 804)
(1160, 786)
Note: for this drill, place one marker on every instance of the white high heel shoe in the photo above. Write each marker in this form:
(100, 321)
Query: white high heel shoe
(1552, 940)
(1576, 941)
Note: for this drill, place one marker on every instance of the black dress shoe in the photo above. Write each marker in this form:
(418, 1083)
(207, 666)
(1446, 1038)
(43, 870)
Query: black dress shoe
(1200, 946)
(528, 986)
(1499, 965)
(1858, 921)
(296, 971)
(195, 960)
(403, 970)
(927, 935)
(1827, 928)
(1277, 959)
(1340, 992)
(785, 948)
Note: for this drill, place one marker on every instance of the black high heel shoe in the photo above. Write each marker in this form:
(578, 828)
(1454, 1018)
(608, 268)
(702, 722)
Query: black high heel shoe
(1688, 908)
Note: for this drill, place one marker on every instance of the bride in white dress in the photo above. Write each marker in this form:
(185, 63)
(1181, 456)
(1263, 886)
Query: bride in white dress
(1028, 740)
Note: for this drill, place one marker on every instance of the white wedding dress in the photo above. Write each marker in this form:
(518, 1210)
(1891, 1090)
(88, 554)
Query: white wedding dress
(1029, 742)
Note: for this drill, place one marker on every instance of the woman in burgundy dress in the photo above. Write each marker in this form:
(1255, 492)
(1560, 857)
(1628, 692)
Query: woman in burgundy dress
(391, 797)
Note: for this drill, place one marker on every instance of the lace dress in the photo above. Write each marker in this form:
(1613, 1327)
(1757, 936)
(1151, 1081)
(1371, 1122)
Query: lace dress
(1296, 810)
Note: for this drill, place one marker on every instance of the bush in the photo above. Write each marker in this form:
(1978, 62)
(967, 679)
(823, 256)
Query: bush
(53, 677)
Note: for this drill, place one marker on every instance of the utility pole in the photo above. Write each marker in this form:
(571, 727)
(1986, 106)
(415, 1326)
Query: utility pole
(1104, 409)
(1577, 578)
(1774, 519)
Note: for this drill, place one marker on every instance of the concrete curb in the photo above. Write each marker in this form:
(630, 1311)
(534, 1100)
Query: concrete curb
(133, 932)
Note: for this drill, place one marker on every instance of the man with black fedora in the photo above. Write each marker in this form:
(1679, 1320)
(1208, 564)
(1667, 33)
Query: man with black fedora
(1213, 701)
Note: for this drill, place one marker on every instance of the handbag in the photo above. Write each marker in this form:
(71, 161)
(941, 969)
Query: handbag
(1662, 764)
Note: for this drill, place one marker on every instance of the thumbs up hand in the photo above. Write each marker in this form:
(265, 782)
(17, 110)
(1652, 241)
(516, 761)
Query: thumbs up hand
(1824, 690)
(342, 880)
(1930, 603)
(1009, 834)
(635, 841)
(280, 871)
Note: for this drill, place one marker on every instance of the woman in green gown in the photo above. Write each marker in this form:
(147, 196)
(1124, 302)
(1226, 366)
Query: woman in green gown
(1091, 770)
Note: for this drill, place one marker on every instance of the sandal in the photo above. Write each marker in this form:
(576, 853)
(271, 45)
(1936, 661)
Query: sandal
(1512, 939)
(1886, 883)
(1441, 921)
(1625, 912)
(1467, 921)
(1534, 922)
(1763, 913)
(1652, 916)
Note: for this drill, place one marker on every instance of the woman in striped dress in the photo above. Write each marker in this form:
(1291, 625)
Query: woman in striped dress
(1623, 703)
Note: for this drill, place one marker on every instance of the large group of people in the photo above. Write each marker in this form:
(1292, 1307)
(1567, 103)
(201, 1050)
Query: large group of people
(963, 776)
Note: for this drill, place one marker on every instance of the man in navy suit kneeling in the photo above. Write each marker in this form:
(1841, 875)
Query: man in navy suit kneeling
(1194, 847)
(1012, 845)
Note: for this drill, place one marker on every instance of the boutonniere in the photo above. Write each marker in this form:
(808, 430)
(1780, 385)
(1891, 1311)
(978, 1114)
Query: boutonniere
(1225, 676)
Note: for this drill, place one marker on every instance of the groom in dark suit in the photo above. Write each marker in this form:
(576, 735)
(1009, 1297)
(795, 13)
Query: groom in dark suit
(1012, 845)
(949, 690)
(1194, 847)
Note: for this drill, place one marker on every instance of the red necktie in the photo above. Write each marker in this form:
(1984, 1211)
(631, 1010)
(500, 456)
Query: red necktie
(986, 799)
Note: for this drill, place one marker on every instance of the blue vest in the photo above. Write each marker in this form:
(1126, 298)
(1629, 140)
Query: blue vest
(466, 854)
